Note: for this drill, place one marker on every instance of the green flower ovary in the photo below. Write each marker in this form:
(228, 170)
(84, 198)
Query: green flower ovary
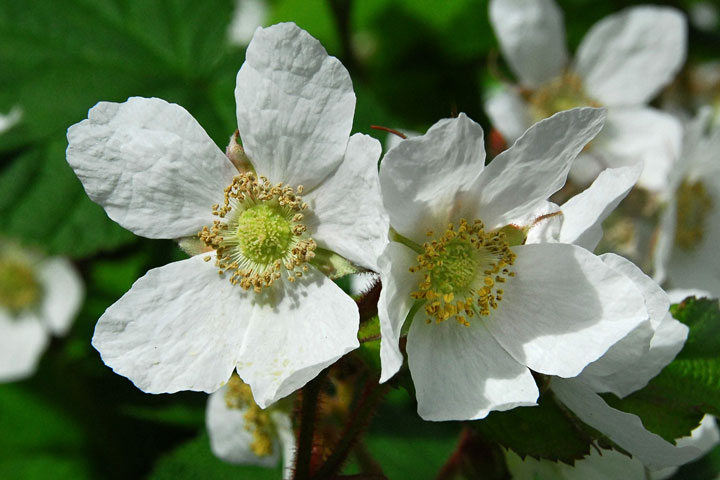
(19, 287)
(455, 267)
(264, 234)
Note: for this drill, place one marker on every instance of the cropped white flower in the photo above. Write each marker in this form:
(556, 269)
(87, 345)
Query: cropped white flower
(241, 432)
(247, 16)
(271, 313)
(686, 255)
(485, 308)
(39, 297)
(609, 464)
(622, 63)
(633, 361)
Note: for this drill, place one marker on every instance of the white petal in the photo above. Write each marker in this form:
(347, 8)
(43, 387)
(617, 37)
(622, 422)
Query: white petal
(508, 113)
(532, 38)
(10, 119)
(284, 430)
(247, 16)
(535, 166)
(150, 165)
(584, 213)
(22, 341)
(346, 214)
(63, 294)
(461, 373)
(180, 327)
(640, 136)
(394, 303)
(563, 309)
(300, 328)
(424, 179)
(295, 106)
(677, 295)
(229, 439)
(704, 438)
(626, 58)
(665, 241)
(624, 429)
(545, 224)
(643, 353)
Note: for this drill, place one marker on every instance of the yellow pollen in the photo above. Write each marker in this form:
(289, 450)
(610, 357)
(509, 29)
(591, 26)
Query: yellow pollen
(257, 421)
(562, 93)
(461, 270)
(694, 203)
(19, 286)
(259, 233)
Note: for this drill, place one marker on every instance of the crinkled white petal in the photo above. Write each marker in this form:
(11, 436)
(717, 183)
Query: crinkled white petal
(345, 213)
(584, 213)
(640, 136)
(461, 373)
(295, 106)
(624, 429)
(63, 292)
(392, 140)
(626, 58)
(296, 330)
(247, 16)
(180, 327)
(22, 342)
(150, 165)
(632, 362)
(394, 303)
(704, 438)
(229, 439)
(534, 167)
(532, 38)
(425, 180)
(563, 309)
(508, 113)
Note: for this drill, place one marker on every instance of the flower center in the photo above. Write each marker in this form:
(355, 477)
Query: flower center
(462, 270)
(694, 203)
(259, 233)
(19, 287)
(562, 93)
(257, 420)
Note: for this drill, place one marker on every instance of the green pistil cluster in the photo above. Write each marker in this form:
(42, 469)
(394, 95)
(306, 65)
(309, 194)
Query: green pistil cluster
(456, 267)
(19, 287)
(694, 203)
(263, 233)
(563, 93)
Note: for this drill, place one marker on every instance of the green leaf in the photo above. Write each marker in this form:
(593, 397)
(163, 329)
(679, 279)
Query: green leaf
(546, 431)
(673, 403)
(194, 460)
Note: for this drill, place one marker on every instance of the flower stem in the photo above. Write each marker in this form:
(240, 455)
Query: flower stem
(306, 431)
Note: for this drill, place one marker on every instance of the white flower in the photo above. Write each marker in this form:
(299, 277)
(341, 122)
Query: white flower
(608, 464)
(689, 232)
(272, 315)
(622, 63)
(486, 308)
(633, 361)
(247, 16)
(39, 297)
(240, 432)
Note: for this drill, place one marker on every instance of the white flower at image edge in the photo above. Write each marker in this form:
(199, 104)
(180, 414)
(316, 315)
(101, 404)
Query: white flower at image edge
(39, 297)
(272, 315)
(622, 63)
(487, 312)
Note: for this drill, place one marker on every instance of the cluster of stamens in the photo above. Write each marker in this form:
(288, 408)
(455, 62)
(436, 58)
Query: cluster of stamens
(694, 203)
(257, 421)
(258, 232)
(562, 93)
(464, 270)
(19, 286)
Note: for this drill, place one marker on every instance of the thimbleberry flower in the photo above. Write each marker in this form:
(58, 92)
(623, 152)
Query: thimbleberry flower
(289, 197)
